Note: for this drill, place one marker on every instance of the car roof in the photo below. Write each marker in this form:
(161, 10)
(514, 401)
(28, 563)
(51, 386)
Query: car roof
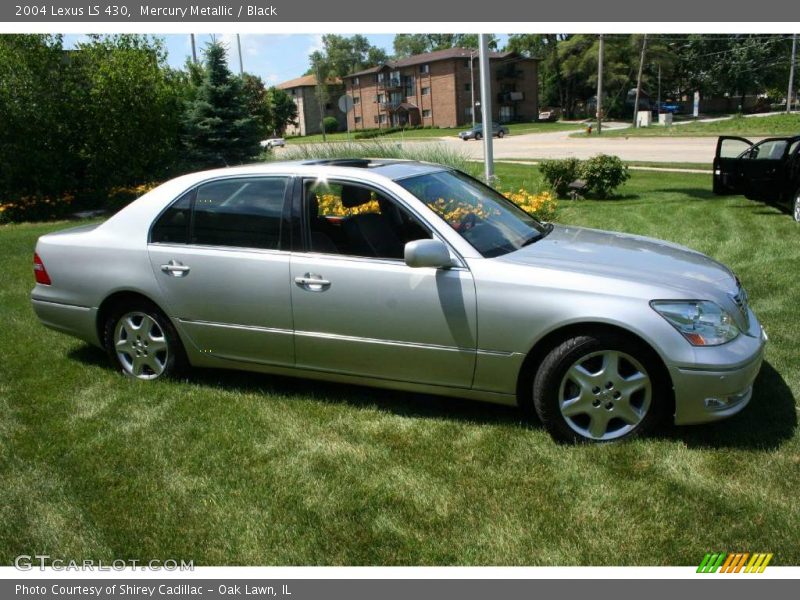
(393, 169)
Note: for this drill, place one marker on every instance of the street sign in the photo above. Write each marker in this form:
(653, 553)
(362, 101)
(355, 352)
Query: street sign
(696, 109)
(345, 103)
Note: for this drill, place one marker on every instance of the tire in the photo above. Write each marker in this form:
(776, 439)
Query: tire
(142, 342)
(600, 387)
(478, 137)
(796, 207)
(501, 134)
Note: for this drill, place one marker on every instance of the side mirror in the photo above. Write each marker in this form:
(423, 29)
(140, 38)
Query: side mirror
(427, 253)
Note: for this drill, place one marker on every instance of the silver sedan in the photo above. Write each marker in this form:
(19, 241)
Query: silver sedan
(409, 276)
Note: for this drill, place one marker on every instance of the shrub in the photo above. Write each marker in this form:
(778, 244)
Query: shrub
(36, 208)
(331, 124)
(560, 173)
(604, 174)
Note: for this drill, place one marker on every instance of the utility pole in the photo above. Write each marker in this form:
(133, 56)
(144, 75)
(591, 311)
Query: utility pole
(194, 49)
(600, 86)
(790, 93)
(239, 44)
(321, 103)
(639, 83)
(472, 87)
(659, 89)
(486, 108)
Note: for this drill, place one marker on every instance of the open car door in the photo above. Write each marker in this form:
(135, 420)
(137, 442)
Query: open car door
(728, 164)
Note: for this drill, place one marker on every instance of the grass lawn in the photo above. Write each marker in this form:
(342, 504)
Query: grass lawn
(234, 468)
(415, 134)
(772, 125)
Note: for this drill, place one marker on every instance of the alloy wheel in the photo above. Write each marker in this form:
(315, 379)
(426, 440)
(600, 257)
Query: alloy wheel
(605, 395)
(140, 345)
(797, 207)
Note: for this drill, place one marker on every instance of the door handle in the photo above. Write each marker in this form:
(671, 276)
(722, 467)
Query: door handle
(175, 268)
(312, 282)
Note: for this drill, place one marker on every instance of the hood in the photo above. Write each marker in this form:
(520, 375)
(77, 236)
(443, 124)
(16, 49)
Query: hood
(625, 256)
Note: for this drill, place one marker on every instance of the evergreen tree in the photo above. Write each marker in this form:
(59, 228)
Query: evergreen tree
(219, 127)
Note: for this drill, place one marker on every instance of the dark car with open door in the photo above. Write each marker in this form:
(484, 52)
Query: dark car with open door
(768, 171)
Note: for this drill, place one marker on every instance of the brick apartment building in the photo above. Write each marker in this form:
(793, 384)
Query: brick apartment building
(303, 92)
(436, 89)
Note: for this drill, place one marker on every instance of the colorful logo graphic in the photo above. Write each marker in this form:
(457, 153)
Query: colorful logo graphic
(740, 562)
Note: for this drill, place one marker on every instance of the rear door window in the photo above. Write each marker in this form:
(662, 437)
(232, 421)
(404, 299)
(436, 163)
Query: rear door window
(242, 213)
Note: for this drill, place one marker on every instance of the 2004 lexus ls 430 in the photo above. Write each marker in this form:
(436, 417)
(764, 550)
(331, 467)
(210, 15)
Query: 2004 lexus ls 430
(410, 276)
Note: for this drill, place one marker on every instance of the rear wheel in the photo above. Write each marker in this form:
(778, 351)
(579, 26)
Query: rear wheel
(796, 206)
(599, 388)
(500, 133)
(142, 342)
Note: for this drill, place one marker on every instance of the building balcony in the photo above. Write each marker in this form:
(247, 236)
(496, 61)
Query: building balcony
(510, 97)
(390, 84)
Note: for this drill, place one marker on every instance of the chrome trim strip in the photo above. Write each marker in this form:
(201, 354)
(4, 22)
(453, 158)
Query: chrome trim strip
(363, 340)
(237, 326)
(350, 338)
(62, 304)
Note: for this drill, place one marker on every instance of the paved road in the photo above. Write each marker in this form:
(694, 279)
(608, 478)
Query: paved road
(561, 145)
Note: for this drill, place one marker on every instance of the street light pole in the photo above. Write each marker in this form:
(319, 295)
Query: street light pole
(639, 83)
(790, 93)
(486, 108)
(194, 49)
(239, 44)
(600, 86)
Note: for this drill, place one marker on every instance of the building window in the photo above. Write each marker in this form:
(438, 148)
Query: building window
(426, 113)
(468, 63)
(467, 87)
(382, 118)
(376, 118)
(356, 99)
(426, 91)
(426, 68)
(468, 112)
(380, 98)
(355, 81)
(379, 77)
(358, 120)
(506, 114)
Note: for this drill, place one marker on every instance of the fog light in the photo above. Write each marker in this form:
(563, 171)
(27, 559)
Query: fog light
(727, 401)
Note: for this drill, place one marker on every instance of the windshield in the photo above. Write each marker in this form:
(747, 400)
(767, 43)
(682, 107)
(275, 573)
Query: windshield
(487, 220)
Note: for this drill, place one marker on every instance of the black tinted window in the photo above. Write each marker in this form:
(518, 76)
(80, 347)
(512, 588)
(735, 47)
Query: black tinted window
(173, 225)
(243, 213)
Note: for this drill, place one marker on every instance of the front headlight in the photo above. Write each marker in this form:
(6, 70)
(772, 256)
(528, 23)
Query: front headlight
(701, 322)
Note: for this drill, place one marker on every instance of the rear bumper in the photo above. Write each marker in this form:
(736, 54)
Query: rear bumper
(702, 396)
(78, 321)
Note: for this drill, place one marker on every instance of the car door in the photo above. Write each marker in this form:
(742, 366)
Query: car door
(359, 309)
(220, 255)
(763, 170)
(727, 164)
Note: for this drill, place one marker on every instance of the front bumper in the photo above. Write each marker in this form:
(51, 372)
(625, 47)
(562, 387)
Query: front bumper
(704, 395)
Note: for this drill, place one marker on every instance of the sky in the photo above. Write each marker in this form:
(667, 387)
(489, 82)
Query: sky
(275, 58)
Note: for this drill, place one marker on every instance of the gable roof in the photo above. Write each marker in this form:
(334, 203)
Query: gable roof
(446, 54)
(305, 81)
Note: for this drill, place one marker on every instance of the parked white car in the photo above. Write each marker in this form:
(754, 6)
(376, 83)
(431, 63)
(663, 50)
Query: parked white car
(274, 142)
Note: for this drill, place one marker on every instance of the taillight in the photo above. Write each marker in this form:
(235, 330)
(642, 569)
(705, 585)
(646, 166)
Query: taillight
(39, 271)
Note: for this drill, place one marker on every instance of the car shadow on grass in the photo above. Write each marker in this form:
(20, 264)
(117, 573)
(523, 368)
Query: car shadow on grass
(766, 423)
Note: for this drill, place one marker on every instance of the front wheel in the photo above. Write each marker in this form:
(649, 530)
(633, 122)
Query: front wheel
(142, 342)
(478, 137)
(599, 388)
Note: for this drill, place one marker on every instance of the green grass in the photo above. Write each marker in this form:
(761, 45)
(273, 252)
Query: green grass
(422, 134)
(772, 125)
(234, 468)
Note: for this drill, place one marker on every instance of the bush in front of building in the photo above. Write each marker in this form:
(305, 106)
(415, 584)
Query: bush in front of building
(331, 124)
